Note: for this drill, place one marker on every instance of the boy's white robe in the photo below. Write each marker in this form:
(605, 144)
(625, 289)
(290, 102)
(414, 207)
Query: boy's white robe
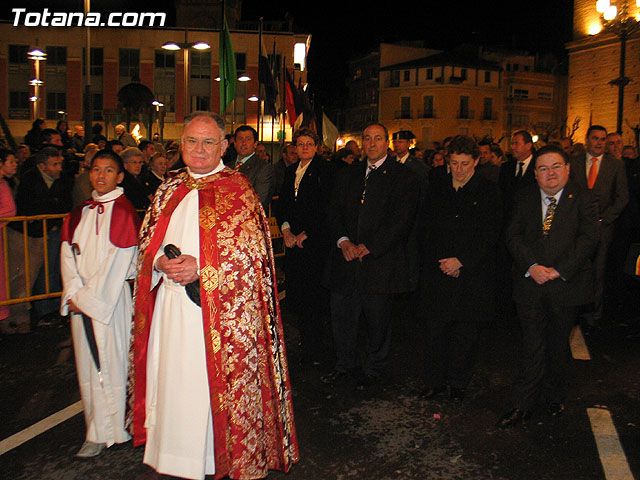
(96, 281)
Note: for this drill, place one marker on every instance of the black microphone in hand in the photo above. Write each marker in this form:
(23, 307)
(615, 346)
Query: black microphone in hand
(193, 288)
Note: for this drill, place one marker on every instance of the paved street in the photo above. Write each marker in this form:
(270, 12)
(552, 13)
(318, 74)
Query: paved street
(384, 433)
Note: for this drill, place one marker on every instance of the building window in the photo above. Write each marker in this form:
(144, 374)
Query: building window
(521, 93)
(56, 56)
(19, 105)
(165, 59)
(429, 73)
(487, 112)
(463, 73)
(546, 96)
(56, 102)
(97, 106)
(129, 63)
(18, 54)
(406, 75)
(487, 77)
(96, 59)
(200, 102)
(241, 62)
(200, 64)
(395, 78)
(428, 107)
(405, 107)
(464, 111)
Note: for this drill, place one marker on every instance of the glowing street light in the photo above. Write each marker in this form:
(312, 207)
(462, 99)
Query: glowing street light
(622, 24)
(185, 46)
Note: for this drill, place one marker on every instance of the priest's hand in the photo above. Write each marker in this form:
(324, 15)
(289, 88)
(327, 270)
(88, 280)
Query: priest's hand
(182, 270)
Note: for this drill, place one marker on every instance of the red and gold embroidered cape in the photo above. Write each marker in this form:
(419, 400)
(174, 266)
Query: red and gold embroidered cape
(251, 402)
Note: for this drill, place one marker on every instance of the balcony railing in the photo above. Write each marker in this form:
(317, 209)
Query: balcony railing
(428, 113)
(465, 114)
(402, 114)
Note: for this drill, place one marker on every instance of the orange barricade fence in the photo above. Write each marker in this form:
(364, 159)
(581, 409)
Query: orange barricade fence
(21, 256)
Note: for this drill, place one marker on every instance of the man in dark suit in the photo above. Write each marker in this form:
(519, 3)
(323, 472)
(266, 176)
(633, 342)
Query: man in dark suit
(261, 175)
(372, 214)
(606, 177)
(552, 236)
(517, 172)
(407, 304)
(463, 223)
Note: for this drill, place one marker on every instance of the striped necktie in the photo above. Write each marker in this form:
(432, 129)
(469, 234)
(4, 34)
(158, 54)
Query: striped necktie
(548, 218)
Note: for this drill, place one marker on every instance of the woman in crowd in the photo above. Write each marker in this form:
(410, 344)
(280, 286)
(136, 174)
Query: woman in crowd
(459, 244)
(302, 218)
(8, 168)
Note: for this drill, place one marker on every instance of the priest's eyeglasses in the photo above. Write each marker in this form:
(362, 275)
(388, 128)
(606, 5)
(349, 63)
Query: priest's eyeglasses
(207, 143)
(556, 167)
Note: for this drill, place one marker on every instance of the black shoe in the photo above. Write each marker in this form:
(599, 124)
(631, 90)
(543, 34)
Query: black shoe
(514, 418)
(556, 409)
(431, 393)
(457, 394)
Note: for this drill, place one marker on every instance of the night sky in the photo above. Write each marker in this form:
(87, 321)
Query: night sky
(346, 29)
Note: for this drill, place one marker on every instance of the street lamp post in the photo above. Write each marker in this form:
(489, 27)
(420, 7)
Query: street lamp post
(621, 24)
(185, 46)
(37, 56)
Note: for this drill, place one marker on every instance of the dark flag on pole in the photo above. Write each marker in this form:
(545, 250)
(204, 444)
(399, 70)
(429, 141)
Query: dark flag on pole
(291, 98)
(267, 82)
(228, 76)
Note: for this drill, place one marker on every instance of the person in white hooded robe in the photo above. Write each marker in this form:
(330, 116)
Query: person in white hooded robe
(98, 255)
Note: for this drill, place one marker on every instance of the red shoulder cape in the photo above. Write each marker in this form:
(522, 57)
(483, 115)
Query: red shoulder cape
(125, 223)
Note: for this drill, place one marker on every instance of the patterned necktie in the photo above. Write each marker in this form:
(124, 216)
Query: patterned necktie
(593, 173)
(370, 169)
(548, 218)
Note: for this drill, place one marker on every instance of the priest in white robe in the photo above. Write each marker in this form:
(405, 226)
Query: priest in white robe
(209, 386)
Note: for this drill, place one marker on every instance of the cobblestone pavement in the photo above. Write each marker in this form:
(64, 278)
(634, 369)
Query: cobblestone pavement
(386, 432)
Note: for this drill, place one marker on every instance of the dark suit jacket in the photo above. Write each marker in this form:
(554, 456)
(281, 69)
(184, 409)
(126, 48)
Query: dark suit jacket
(611, 190)
(464, 224)
(568, 248)
(262, 179)
(509, 184)
(135, 191)
(35, 198)
(383, 223)
(307, 212)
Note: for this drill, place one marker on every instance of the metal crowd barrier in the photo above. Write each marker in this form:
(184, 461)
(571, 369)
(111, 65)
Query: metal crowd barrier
(273, 227)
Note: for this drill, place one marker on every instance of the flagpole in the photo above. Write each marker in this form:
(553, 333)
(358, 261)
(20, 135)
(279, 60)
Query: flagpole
(260, 103)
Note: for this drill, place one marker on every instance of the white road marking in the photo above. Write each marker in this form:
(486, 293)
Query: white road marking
(614, 462)
(42, 426)
(579, 349)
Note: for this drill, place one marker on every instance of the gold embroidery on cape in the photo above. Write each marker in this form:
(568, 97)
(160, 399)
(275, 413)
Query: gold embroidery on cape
(209, 278)
(207, 217)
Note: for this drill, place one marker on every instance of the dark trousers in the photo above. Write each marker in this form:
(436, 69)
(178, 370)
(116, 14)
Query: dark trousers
(545, 352)
(307, 299)
(451, 351)
(376, 311)
(48, 305)
(600, 259)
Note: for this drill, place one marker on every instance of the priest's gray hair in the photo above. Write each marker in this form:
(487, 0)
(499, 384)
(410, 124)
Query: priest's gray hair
(200, 113)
